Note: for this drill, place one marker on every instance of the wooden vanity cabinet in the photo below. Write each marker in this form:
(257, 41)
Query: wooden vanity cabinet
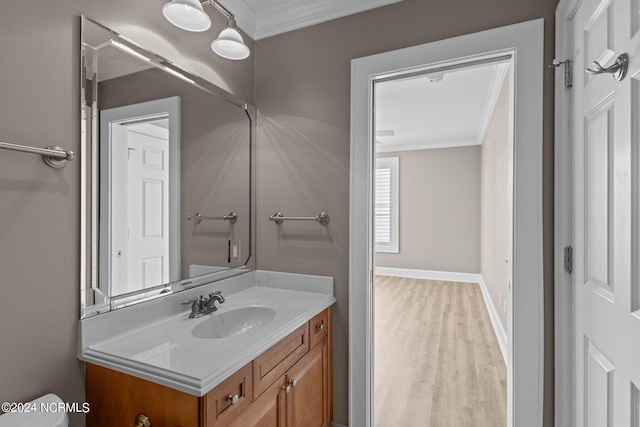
(289, 385)
(115, 399)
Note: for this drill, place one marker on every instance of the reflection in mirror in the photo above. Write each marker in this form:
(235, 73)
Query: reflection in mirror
(167, 176)
(140, 195)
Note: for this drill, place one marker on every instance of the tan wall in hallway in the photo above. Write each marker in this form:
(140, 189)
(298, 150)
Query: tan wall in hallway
(439, 210)
(494, 230)
(303, 97)
(40, 206)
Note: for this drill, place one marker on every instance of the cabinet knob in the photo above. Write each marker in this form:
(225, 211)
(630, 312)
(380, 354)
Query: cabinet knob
(142, 421)
(320, 327)
(233, 399)
(287, 389)
(293, 383)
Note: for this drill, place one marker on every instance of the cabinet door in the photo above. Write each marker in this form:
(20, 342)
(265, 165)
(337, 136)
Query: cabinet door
(309, 397)
(269, 410)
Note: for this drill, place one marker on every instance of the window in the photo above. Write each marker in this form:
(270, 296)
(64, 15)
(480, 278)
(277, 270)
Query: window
(386, 205)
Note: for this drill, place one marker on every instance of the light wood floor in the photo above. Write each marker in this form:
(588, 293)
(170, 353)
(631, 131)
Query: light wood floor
(437, 360)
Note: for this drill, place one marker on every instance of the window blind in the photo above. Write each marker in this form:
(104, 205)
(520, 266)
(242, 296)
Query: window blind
(383, 206)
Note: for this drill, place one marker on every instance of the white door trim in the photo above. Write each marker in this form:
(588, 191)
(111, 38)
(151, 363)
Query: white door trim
(526, 336)
(563, 211)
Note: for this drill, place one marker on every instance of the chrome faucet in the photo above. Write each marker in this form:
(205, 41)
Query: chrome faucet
(201, 305)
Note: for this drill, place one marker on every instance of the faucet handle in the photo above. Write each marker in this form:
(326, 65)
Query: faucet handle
(190, 301)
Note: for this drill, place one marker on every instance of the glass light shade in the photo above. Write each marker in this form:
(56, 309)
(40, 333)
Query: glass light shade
(230, 45)
(187, 14)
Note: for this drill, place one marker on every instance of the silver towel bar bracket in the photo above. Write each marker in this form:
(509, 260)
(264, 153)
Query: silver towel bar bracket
(278, 218)
(53, 156)
(198, 217)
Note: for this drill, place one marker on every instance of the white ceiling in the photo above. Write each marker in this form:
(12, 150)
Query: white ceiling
(265, 18)
(453, 112)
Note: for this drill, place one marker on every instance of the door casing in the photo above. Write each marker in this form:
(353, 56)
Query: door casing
(563, 211)
(525, 373)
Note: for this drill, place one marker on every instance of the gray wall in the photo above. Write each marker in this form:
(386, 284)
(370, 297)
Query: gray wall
(39, 206)
(439, 210)
(495, 218)
(303, 96)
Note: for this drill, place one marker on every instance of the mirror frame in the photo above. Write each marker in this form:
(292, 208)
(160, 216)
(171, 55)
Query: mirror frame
(89, 181)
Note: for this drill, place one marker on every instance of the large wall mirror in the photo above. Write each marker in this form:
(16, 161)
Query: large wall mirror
(167, 176)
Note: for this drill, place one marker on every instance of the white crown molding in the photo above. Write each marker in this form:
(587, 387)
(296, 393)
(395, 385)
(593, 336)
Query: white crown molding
(499, 73)
(246, 17)
(381, 148)
(296, 14)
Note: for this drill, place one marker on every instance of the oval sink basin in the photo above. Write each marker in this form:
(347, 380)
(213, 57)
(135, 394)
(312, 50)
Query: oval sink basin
(233, 322)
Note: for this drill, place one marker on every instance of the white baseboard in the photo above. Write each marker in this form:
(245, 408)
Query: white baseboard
(449, 276)
(501, 334)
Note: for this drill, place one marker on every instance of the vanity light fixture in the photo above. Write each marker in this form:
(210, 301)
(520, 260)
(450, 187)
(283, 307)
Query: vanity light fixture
(189, 15)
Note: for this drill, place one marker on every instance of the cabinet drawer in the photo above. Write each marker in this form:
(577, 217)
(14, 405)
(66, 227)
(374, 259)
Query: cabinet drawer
(218, 407)
(273, 363)
(318, 327)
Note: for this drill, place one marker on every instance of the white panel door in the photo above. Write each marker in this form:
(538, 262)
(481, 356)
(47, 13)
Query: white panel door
(147, 198)
(606, 216)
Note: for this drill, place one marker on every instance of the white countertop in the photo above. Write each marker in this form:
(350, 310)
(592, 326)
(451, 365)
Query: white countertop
(165, 351)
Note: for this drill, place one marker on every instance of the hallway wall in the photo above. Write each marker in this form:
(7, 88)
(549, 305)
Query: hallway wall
(495, 204)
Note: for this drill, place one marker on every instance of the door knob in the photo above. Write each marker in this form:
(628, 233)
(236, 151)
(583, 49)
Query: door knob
(618, 68)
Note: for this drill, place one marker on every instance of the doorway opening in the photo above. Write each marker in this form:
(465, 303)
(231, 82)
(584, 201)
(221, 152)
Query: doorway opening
(523, 42)
(442, 234)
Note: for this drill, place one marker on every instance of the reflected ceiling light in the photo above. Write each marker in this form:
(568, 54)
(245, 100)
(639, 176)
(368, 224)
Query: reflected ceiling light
(189, 15)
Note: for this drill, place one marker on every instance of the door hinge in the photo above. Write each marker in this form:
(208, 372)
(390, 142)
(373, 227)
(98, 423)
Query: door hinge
(568, 75)
(568, 259)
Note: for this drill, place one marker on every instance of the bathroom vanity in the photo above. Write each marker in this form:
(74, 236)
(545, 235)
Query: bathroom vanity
(287, 385)
(257, 370)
